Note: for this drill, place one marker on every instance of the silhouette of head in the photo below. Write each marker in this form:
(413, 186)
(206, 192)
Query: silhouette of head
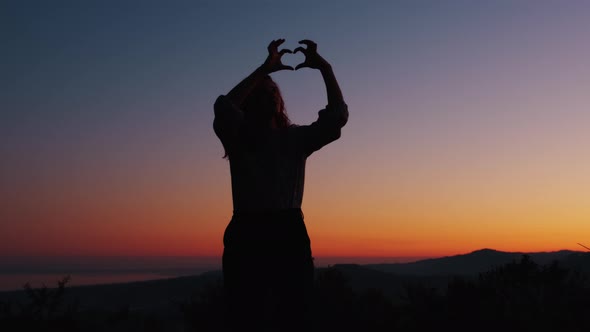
(264, 106)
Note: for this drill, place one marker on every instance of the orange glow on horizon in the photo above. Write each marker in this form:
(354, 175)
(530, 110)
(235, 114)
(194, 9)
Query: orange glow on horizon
(466, 130)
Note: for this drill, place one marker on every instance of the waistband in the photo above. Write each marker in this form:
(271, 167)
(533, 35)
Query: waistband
(266, 214)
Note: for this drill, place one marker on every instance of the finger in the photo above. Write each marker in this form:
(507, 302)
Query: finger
(301, 65)
(300, 49)
(309, 43)
(275, 44)
(284, 50)
(279, 42)
(270, 45)
(284, 67)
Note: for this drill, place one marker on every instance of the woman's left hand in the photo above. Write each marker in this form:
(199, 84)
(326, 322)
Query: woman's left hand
(312, 58)
(273, 61)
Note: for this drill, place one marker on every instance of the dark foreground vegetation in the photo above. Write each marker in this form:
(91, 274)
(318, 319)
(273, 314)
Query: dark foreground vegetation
(519, 296)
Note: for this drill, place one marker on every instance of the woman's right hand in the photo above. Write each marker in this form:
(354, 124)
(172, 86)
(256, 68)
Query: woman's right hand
(273, 61)
(312, 58)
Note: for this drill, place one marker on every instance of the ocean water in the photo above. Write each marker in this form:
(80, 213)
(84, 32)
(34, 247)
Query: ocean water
(15, 272)
(17, 281)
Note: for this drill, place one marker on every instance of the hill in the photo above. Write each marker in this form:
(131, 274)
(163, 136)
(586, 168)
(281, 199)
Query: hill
(347, 297)
(480, 261)
(161, 295)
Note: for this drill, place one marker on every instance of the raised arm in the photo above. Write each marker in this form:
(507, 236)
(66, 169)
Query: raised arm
(331, 119)
(228, 115)
(315, 61)
(273, 63)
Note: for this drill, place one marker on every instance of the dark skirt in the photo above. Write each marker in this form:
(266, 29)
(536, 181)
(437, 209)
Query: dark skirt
(268, 271)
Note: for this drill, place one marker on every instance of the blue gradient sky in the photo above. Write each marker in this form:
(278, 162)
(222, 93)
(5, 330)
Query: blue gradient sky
(468, 127)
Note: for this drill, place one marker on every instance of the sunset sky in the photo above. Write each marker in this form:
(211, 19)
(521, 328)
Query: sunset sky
(469, 124)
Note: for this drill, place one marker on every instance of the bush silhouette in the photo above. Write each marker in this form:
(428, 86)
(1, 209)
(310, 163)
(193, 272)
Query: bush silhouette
(519, 296)
(204, 310)
(45, 310)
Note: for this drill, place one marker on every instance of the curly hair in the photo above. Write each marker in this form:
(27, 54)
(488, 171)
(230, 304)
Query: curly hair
(265, 103)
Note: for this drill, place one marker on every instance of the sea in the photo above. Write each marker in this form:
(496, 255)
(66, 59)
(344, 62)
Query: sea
(16, 272)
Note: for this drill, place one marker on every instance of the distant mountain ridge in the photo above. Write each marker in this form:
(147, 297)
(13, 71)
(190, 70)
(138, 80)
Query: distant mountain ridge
(157, 296)
(480, 261)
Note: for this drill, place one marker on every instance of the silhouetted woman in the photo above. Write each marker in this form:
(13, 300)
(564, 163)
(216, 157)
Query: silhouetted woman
(267, 261)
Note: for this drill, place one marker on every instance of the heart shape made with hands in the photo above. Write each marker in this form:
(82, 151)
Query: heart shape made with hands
(312, 58)
(294, 59)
